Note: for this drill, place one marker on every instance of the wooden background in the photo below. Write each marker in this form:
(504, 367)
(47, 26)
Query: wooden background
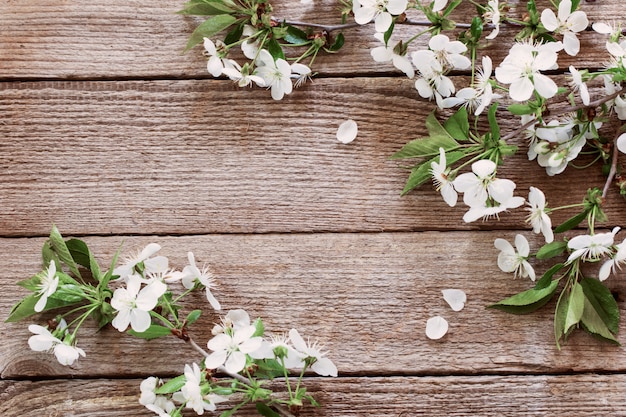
(108, 131)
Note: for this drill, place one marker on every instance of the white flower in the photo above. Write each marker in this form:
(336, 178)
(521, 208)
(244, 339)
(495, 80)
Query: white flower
(475, 98)
(205, 277)
(567, 24)
(578, 84)
(291, 358)
(431, 83)
(216, 65)
(380, 11)
(621, 143)
(191, 392)
(558, 147)
(436, 327)
(510, 260)
(618, 259)
(44, 341)
(439, 5)
(455, 298)
(276, 74)
(230, 349)
(300, 73)
(311, 351)
(133, 305)
(47, 286)
(521, 69)
(449, 53)
(492, 12)
(480, 185)
(242, 76)
(591, 247)
(538, 218)
(347, 131)
(440, 173)
(487, 211)
(385, 53)
(127, 269)
(250, 47)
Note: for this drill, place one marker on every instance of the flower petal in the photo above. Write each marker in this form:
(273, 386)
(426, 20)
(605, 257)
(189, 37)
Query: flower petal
(436, 327)
(347, 131)
(455, 298)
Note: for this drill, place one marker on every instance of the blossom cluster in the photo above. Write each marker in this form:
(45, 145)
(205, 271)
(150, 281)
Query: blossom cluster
(137, 295)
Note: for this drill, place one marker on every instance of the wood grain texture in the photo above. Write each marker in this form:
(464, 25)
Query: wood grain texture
(530, 396)
(142, 38)
(365, 296)
(195, 157)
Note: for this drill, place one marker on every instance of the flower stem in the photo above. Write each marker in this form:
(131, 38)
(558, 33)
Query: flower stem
(613, 169)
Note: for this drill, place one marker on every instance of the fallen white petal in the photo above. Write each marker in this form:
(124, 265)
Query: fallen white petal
(436, 327)
(347, 131)
(455, 298)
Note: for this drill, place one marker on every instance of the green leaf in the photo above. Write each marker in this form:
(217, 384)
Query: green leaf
(527, 301)
(493, 123)
(552, 249)
(260, 327)
(575, 307)
(205, 8)
(193, 316)
(458, 125)
(337, 44)
(234, 35)
(265, 410)
(388, 33)
(421, 173)
(48, 254)
(593, 322)
(571, 222)
(520, 109)
(602, 302)
(546, 279)
(559, 319)
(83, 256)
(153, 332)
(26, 307)
(171, 386)
(296, 36)
(425, 147)
(208, 28)
(68, 293)
(60, 248)
(274, 48)
(575, 4)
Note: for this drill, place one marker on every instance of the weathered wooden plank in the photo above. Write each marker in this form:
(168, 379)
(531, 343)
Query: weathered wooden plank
(141, 38)
(567, 395)
(365, 296)
(193, 157)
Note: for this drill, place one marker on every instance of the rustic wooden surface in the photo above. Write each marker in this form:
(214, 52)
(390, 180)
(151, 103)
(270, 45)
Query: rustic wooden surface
(109, 132)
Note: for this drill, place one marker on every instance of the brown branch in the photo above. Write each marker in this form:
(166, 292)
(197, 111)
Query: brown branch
(613, 169)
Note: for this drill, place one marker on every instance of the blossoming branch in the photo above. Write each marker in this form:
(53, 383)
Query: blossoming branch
(459, 155)
(139, 296)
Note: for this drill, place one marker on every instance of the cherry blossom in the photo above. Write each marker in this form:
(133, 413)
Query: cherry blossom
(618, 259)
(515, 259)
(380, 11)
(492, 13)
(538, 218)
(321, 365)
(49, 281)
(275, 73)
(192, 273)
(230, 348)
(133, 304)
(442, 183)
(591, 247)
(385, 53)
(128, 267)
(567, 23)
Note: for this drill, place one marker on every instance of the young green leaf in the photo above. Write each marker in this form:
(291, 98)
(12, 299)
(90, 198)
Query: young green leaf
(593, 322)
(234, 35)
(296, 36)
(82, 255)
(337, 44)
(26, 307)
(575, 307)
(60, 248)
(571, 222)
(493, 123)
(205, 8)
(552, 249)
(458, 125)
(153, 332)
(265, 410)
(274, 48)
(210, 27)
(601, 300)
(193, 316)
(520, 109)
(171, 386)
(527, 301)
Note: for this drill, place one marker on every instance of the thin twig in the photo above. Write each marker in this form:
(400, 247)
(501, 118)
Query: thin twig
(613, 169)
(326, 28)
(279, 408)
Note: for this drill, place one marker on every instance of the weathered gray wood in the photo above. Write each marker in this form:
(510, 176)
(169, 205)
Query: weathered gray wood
(566, 395)
(141, 38)
(366, 297)
(196, 157)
